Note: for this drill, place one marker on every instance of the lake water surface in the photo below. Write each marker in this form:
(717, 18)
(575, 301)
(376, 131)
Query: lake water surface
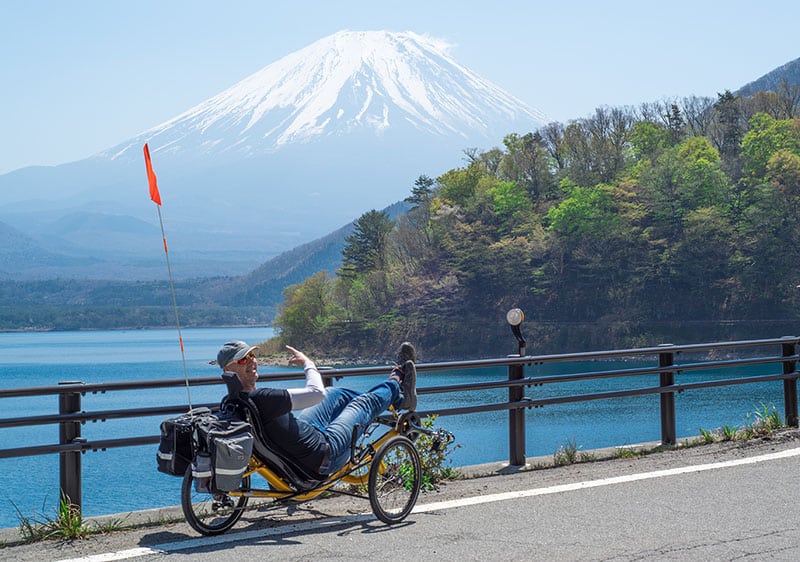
(125, 479)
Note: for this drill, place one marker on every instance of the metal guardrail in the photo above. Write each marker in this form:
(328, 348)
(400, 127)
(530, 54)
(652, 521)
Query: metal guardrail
(666, 365)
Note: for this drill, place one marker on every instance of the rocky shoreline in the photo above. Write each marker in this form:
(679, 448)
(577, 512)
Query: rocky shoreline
(282, 360)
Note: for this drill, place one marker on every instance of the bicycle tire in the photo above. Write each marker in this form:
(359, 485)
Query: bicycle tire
(394, 480)
(210, 514)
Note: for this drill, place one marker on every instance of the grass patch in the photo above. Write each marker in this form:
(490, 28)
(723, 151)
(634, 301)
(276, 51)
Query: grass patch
(707, 436)
(567, 453)
(67, 524)
(729, 433)
(626, 453)
(763, 421)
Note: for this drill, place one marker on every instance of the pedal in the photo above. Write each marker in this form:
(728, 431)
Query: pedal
(408, 424)
(441, 439)
(222, 502)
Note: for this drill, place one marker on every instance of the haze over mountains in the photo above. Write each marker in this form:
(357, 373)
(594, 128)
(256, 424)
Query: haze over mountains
(287, 155)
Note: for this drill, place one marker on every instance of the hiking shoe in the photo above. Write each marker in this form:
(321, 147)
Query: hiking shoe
(408, 386)
(406, 353)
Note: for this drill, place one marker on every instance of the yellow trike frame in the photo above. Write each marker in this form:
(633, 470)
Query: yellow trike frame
(389, 466)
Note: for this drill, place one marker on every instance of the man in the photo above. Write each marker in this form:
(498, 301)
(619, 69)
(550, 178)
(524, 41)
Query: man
(319, 437)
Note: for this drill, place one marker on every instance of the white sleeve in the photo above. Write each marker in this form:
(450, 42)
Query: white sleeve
(313, 392)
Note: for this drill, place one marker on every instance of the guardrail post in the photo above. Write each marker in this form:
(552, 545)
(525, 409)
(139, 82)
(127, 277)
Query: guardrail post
(516, 418)
(70, 461)
(668, 432)
(327, 382)
(789, 386)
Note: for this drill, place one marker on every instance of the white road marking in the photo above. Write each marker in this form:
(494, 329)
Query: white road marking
(603, 482)
(167, 548)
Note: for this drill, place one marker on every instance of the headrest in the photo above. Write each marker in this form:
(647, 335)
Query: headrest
(233, 383)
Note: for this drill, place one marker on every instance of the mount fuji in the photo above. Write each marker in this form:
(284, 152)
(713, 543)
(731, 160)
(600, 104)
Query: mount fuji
(374, 82)
(290, 153)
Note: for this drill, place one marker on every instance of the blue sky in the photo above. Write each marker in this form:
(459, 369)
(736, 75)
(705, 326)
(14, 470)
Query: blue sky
(81, 76)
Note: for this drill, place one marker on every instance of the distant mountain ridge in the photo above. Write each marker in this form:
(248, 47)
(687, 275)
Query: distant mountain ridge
(20, 255)
(771, 81)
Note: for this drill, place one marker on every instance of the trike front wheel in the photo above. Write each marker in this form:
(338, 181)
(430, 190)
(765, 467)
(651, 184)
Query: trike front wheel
(207, 513)
(394, 480)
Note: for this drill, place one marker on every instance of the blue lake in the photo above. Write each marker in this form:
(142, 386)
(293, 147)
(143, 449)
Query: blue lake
(125, 479)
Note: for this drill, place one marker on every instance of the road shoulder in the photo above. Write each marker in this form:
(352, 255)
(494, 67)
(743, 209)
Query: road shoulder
(156, 527)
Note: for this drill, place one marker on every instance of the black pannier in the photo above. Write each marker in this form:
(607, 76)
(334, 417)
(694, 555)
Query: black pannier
(226, 443)
(216, 445)
(176, 447)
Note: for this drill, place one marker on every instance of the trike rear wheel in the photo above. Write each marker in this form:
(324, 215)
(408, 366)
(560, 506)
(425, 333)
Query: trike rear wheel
(207, 513)
(394, 480)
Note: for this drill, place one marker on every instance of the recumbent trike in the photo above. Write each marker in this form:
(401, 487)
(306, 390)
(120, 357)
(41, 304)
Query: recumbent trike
(388, 465)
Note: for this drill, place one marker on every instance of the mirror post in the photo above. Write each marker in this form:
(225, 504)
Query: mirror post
(516, 416)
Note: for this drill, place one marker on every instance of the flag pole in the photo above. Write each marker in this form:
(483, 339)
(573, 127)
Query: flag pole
(155, 196)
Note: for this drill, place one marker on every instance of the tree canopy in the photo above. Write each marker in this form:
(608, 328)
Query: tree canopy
(612, 230)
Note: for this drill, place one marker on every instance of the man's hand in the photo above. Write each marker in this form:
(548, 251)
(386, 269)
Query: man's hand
(298, 357)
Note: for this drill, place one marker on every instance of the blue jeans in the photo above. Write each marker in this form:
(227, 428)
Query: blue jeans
(343, 409)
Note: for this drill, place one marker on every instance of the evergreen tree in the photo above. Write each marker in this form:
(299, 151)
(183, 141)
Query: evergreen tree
(365, 249)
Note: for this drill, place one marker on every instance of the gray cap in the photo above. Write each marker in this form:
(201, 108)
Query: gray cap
(233, 351)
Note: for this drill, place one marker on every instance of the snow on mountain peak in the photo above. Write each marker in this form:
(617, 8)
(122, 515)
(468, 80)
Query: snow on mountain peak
(348, 81)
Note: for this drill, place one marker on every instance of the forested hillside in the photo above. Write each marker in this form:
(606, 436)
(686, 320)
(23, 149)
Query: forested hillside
(672, 222)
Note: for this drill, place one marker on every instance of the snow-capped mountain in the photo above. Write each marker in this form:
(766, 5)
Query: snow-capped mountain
(289, 154)
(349, 81)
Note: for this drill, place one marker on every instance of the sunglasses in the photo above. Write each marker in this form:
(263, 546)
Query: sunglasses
(245, 359)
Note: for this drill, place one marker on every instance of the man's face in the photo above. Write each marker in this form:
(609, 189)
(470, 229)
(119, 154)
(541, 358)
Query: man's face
(247, 371)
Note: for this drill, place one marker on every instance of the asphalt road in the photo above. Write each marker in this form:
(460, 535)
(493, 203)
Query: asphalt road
(727, 501)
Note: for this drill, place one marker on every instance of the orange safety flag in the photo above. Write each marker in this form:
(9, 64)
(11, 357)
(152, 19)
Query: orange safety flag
(151, 177)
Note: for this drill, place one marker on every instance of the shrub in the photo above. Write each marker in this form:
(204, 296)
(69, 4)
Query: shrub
(434, 451)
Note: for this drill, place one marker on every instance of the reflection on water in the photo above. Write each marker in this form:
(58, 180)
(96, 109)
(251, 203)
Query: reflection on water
(126, 479)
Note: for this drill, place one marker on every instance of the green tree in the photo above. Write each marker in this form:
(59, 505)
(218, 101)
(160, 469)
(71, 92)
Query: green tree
(700, 174)
(307, 308)
(527, 163)
(728, 128)
(596, 148)
(683, 178)
(459, 186)
(765, 137)
(365, 249)
(783, 172)
(509, 201)
(421, 192)
(586, 212)
(675, 124)
(648, 139)
(699, 273)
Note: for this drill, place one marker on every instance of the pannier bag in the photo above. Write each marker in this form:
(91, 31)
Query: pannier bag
(176, 447)
(229, 443)
(201, 471)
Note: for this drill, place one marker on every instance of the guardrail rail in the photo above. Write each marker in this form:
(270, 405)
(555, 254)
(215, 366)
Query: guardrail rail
(665, 358)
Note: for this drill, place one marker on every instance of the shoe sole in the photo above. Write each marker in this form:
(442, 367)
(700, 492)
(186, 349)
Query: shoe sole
(409, 386)
(406, 353)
